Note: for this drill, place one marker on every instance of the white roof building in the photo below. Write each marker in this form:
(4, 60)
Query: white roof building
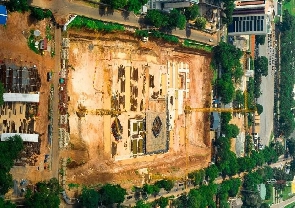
(25, 137)
(19, 97)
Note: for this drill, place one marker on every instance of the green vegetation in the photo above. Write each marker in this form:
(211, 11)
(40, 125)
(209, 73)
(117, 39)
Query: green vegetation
(107, 195)
(286, 121)
(40, 14)
(292, 205)
(197, 45)
(200, 23)
(259, 108)
(157, 34)
(261, 65)
(31, 42)
(192, 12)
(2, 91)
(130, 5)
(46, 195)
(10, 150)
(170, 20)
(287, 193)
(290, 6)
(6, 204)
(227, 57)
(229, 8)
(83, 22)
(259, 39)
(17, 5)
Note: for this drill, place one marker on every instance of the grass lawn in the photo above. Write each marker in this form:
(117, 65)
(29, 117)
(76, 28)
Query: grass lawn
(287, 193)
(290, 205)
(290, 6)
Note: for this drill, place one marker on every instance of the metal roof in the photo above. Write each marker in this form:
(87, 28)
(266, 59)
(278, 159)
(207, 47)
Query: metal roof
(25, 137)
(20, 97)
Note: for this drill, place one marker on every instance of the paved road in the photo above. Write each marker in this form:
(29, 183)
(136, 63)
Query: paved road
(63, 7)
(176, 190)
(283, 203)
(266, 100)
(55, 80)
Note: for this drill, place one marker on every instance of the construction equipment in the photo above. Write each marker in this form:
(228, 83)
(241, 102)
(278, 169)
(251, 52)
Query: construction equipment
(83, 111)
(189, 110)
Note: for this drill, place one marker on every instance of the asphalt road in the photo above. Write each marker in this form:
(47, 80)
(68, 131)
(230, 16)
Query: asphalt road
(178, 190)
(64, 7)
(266, 100)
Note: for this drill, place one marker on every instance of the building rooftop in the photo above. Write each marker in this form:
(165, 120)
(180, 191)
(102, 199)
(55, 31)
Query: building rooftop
(20, 97)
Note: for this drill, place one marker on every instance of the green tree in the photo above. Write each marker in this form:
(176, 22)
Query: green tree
(225, 118)
(167, 185)
(248, 144)
(17, 5)
(162, 202)
(291, 146)
(192, 12)
(149, 189)
(116, 4)
(239, 98)
(259, 39)
(157, 18)
(259, 108)
(264, 205)
(198, 176)
(200, 23)
(287, 23)
(89, 198)
(228, 56)
(231, 130)
(6, 204)
(111, 194)
(278, 147)
(142, 204)
(135, 5)
(5, 182)
(251, 180)
(2, 91)
(194, 199)
(47, 195)
(225, 88)
(212, 172)
(176, 19)
(261, 65)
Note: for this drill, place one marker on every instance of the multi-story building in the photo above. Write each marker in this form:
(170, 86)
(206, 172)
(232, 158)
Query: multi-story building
(250, 18)
(164, 4)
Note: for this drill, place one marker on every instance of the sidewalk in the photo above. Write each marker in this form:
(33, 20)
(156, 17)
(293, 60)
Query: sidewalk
(283, 203)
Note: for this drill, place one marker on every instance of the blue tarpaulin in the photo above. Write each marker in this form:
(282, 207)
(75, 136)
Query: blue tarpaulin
(3, 15)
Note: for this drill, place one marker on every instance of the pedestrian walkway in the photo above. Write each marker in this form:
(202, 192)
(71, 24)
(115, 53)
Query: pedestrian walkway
(283, 203)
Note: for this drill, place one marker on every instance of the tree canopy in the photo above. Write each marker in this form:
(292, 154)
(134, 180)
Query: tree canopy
(6, 204)
(40, 14)
(200, 23)
(170, 20)
(111, 194)
(89, 198)
(259, 39)
(17, 5)
(46, 195)
(2, 90)
(10, 150)
(261, 65)
(192, 12)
